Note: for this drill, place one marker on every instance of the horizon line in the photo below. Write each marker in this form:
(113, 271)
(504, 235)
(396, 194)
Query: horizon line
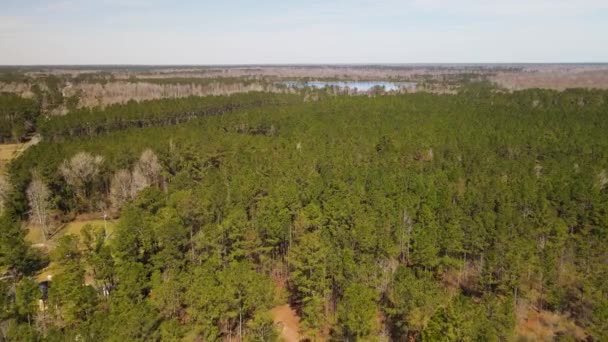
(236, 65)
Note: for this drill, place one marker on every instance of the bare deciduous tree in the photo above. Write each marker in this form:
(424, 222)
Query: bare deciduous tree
(146, 172)
(38, 195)
(121, 188)
(81, 171)
(126, 185)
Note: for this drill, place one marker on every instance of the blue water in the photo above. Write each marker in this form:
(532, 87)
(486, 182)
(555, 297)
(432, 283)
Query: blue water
(362, 86)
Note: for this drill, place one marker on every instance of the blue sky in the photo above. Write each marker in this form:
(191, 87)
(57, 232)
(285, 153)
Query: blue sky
(287, 31)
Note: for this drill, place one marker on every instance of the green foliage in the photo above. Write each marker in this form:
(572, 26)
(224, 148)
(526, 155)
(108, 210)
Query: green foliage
(425, 247)
(463, 319)
(357, 312)
(17, 117)
(26, 299)
(309, 278)
(226, 299)
(261, 328)
(70, 300)
(422, 216)
(413, 300)
(15, 255)
(96, 121)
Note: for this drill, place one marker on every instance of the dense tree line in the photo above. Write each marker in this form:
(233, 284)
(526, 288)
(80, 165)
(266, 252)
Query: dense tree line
(17, 117)
(95, 121)
(420, 216)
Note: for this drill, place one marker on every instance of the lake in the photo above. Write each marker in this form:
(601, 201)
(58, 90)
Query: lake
(361, 86)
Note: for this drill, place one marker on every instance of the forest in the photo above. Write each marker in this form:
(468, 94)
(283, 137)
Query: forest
(402, 217)
(17, 117)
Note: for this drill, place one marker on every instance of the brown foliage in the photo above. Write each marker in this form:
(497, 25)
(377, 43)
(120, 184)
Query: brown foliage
(80, 172)
(125, 185)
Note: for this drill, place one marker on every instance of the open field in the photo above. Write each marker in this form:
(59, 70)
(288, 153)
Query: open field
(35, 236)
(9, 152)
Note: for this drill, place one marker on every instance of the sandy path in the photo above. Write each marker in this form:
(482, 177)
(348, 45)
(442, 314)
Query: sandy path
(287, 321)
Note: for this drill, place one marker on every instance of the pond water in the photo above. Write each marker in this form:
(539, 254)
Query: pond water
(362, 86)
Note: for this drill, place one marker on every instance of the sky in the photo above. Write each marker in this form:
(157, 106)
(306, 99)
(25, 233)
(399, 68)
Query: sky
(224, 32)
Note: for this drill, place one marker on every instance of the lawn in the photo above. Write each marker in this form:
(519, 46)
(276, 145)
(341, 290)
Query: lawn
(7, 153)
(34, 234)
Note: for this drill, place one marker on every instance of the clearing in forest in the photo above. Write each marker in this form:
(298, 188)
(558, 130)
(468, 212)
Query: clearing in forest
(9, 152)
(287, 321)
(34, 234)
(35, 237)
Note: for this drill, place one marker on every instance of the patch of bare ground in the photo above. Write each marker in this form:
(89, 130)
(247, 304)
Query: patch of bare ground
(535, 325)
(287, 321)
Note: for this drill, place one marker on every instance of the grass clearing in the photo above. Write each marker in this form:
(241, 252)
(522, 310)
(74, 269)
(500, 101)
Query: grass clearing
(76, 227)
(34, 234)
(7, 153)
